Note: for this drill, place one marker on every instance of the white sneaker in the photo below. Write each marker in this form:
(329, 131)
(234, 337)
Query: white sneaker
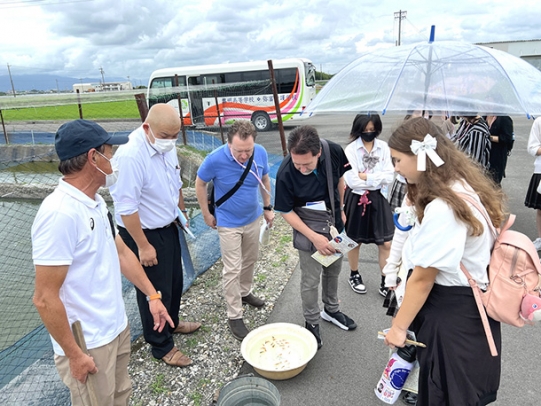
(537, 244)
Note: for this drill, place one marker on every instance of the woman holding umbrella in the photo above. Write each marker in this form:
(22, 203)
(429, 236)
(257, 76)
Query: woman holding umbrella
(456, 367)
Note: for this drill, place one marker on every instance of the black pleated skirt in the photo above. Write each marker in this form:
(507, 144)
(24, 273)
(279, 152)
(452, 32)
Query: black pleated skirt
(533, 199)
(369, 217)
(456, 367)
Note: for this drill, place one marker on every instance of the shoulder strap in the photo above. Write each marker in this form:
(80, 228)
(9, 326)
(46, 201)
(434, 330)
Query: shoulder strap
(473, 284)
(232, 191)
(328, 166)
(482, 312)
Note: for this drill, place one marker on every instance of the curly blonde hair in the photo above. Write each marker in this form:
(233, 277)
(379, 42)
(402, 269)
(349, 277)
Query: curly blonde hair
(436, 182)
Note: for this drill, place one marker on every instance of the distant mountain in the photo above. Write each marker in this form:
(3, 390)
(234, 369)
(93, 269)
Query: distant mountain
(26, 83)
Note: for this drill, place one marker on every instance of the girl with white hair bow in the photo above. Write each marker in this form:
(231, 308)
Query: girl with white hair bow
(456, 367)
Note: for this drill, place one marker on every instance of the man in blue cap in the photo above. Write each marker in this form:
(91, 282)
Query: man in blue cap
(78, 260)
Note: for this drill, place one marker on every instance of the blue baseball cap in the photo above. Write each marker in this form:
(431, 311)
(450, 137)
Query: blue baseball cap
(77, 137)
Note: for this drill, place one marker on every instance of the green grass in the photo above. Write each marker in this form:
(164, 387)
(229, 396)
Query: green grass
(91, 111)
(158, 385)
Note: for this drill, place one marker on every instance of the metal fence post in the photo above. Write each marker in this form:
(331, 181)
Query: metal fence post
(219, 119)
(142, 105)
(182, 127)
(79, 104)
(4, 127)
(277, 106)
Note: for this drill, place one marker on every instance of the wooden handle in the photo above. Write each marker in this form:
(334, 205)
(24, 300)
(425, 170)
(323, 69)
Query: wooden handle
(408, 341)
(77, 330)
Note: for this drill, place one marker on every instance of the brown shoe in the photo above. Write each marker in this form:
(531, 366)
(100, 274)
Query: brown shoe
(238, 329)
(176, 359)
(186, 327)
(253, 301)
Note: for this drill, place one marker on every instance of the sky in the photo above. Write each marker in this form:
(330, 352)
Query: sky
(79, 38)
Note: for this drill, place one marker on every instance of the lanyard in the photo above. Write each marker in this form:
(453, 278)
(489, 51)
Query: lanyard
(256, 175)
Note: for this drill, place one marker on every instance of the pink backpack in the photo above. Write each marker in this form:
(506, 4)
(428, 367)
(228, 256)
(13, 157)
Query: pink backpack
(513, 292)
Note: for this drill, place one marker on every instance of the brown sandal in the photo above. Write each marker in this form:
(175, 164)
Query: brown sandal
(176, 358)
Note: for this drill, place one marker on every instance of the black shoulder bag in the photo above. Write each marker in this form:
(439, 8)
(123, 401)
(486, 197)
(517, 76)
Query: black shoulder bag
(210, 188)
(317, 220)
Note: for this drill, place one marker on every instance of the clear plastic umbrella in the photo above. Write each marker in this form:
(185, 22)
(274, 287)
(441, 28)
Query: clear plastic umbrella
(446, 76)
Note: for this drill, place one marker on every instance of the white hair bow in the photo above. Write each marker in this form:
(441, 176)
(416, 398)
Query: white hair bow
(424, 148)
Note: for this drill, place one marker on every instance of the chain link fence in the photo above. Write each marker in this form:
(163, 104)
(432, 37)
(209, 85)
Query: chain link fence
(28, 173)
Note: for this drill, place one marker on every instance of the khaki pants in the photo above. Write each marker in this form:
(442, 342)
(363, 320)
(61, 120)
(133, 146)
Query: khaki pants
(240, 249)
(112, 383)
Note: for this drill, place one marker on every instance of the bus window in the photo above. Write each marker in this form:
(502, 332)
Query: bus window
(233, 77)
(285, 79)
(160, 83)
(195, 81)
(255, 75)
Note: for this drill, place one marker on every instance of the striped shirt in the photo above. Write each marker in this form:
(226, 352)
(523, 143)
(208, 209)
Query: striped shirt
(474, 140)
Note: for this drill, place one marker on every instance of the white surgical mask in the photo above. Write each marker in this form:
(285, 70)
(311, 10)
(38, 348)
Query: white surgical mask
(307, 172)
(162, 145)
(110, 178)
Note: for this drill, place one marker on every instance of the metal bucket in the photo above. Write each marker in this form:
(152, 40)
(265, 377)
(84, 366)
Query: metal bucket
(249, 391)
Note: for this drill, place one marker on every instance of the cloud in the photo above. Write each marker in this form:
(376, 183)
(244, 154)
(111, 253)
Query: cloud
(136, 37)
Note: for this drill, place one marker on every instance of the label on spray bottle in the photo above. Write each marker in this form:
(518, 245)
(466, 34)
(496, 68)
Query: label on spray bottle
(395, 374)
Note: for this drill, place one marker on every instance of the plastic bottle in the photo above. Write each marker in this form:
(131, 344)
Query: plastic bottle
(395, 374)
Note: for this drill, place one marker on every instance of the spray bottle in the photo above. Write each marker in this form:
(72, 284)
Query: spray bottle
(395, 374)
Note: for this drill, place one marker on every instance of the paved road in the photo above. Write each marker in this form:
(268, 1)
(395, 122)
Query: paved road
(345, 371)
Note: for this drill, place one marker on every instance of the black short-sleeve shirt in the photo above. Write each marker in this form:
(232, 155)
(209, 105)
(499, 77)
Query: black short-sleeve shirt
(293, 189)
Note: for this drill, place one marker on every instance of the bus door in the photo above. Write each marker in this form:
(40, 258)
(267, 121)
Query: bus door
(195, 97)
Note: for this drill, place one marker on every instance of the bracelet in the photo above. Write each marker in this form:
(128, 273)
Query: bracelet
(184, 211)
(156, 296)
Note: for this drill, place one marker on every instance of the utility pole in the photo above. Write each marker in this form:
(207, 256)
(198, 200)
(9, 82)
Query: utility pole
(57, 91)
(400, 15)
(11, 80)
(102, 78)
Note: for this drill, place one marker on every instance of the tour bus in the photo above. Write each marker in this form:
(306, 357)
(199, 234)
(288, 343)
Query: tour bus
(241, 90)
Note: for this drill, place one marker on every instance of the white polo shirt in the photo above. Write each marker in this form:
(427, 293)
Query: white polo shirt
(441, 241)
(148, 183)
(72, 229)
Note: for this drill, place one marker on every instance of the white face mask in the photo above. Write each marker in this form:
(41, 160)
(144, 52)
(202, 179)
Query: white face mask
(162, 145)
(307, 172)
(110, 178)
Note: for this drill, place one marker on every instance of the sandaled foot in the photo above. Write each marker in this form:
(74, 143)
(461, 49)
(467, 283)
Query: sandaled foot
(176, 358)
(187, 327)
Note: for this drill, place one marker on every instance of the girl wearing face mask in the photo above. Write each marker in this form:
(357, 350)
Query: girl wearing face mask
(368, 216)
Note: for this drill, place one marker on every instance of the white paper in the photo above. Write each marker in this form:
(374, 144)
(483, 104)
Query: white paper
(316, 205)
(342, 243)
(264, 234)
(183, 222)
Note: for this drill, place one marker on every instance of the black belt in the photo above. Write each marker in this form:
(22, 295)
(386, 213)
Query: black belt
(158, 228)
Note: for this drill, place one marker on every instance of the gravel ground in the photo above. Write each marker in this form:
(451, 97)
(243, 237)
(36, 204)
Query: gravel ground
(215, 353)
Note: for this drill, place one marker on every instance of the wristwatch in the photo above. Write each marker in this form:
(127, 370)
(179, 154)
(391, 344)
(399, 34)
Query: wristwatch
(157, 295)
(269, 207)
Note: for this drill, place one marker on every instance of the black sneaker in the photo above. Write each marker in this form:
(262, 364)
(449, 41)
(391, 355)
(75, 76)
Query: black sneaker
(314, 329)
(409, 398)
(338, 319)
(356, 283)
(383, 291)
